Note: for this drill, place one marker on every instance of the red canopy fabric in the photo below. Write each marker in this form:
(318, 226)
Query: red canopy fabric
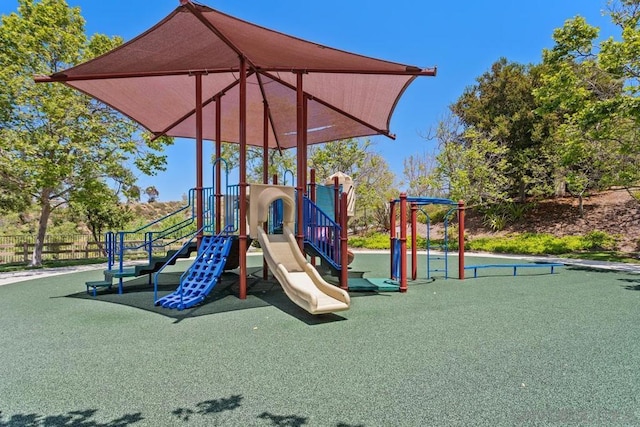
(150, 79)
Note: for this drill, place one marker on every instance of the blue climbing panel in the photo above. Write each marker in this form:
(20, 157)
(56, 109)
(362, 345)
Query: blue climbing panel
(197, 282)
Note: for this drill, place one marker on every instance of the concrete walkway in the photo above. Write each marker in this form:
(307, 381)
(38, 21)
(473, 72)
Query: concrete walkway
(22, 275)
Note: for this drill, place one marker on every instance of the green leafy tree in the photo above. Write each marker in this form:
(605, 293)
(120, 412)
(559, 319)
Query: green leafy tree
(152, 193)
(591, 90)
(100, 209)
(417, 172)
(54, 141)
(374, 188)
(347, 156)
(469, 166)
(279, 161)
(499, 110)
(372, 178)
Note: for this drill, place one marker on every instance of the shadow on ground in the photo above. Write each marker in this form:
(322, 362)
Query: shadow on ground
(224, 297)
(209, 411)
(634, 284)
(84, 418)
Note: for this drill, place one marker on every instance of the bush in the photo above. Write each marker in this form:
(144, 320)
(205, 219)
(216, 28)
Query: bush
(371, 241)
(498, 216)
(543, 244)
(599, 240)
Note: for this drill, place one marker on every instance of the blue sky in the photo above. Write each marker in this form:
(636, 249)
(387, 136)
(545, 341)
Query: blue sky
(461, 38)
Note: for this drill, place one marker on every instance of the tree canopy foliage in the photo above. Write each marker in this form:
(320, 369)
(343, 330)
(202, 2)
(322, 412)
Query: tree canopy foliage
(57, 146)
(569, 123)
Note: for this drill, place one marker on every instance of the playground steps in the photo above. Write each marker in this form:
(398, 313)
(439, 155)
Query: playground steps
(326, 263)
(138, 270)
(203, 274)
(373, 285)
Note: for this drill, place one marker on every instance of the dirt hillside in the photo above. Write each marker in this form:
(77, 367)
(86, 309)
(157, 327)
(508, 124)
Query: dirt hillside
(613, 211)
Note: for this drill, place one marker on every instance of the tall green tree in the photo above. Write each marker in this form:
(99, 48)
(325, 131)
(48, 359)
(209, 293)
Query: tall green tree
(469, 166)
(372, 178)
(418, 168)
(56, 143)
(500, 109)
(591, 89)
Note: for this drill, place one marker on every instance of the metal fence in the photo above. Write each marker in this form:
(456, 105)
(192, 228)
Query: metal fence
(18, 249)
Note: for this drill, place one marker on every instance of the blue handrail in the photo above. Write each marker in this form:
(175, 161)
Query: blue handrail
(148, 240)
(321, 232)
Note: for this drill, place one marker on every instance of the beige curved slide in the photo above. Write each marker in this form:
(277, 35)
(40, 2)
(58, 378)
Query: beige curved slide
(300, 280)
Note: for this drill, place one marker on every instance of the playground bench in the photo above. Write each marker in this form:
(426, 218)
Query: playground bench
(515, 267)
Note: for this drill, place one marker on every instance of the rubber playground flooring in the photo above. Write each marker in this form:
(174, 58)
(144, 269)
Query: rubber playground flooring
(498, 350)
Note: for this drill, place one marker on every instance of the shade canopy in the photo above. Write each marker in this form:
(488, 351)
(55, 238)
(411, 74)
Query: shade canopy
(151, 80)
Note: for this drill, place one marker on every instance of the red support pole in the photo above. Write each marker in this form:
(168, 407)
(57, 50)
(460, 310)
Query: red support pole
(312, 196)
(242, 238)
(265, 170)
(344, 240)
(218, 170)
(312, 186)
(392, 232)
(265, 144)
(414, 241)
(300, 158)
(304, 141)
(403, 242)
(336, 198)
(199, 178)
(461, 209)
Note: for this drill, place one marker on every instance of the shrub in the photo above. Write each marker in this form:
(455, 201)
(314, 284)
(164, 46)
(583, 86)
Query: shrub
(538, 244)
(371, 241)
(599, 240)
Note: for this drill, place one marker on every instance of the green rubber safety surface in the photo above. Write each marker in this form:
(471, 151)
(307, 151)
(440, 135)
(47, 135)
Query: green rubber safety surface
(536, 349)
(373, 285)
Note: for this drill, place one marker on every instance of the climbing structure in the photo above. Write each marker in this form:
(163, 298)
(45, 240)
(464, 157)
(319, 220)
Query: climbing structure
(200, 279)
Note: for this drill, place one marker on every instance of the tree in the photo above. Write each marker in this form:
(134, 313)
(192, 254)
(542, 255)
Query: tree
(591, 90)
(279, 161)
(100, 209)
(54, 141)
(417, 170)
(374, 188)
(372, 179)
(347, 156)
(152, 193)
(500, 110)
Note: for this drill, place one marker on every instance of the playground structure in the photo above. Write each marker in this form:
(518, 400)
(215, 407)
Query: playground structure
(300, 280)
(249, 91)
(257, 87)
(398, 244)
(272, 210)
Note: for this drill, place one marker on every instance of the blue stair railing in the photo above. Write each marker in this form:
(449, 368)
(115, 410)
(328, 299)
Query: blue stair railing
(159, 240)
(322, 233)
(160, 234)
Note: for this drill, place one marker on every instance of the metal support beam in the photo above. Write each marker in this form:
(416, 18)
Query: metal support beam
(242, 243)
(301, 155)
(199, 174)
